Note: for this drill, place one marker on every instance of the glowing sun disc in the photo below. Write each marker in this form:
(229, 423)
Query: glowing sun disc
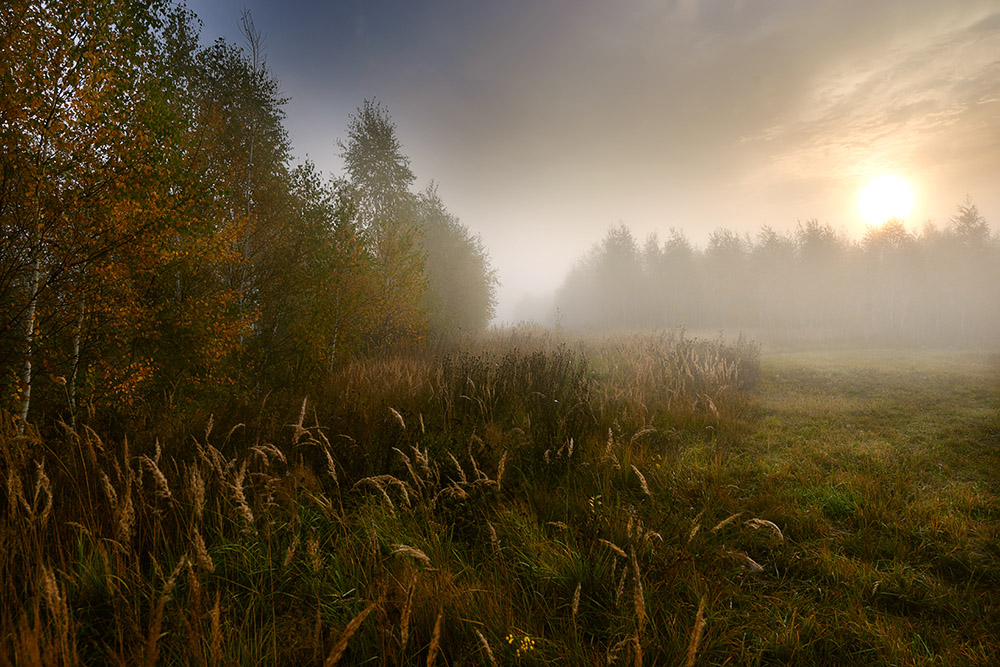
(885, 197)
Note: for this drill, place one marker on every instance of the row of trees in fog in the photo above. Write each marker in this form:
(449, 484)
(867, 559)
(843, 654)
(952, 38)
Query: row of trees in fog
(155, 235)
(942, 284)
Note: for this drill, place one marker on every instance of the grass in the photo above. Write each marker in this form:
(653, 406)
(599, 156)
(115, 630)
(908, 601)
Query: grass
(528, 500)
(885, 462)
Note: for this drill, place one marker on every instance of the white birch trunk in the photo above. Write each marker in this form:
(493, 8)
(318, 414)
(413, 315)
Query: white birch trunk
(77, 335)
(29, 337)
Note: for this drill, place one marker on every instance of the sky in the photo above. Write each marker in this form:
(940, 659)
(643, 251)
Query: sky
(545, 122)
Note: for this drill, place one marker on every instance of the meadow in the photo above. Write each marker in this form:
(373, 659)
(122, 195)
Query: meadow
(525, 498)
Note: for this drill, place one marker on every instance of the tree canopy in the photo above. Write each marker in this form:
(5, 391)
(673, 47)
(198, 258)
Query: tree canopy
(158, 239)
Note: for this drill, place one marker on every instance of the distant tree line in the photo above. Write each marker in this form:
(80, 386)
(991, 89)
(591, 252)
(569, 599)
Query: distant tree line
(156, 238)
(940, 285)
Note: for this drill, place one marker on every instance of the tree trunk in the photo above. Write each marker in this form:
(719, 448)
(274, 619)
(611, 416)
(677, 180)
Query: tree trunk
(34, 286)
(77, 335)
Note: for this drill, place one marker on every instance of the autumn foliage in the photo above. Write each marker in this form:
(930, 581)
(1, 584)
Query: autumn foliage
(158, 243)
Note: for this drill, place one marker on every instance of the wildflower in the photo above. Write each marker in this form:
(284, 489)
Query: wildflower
(524, 645)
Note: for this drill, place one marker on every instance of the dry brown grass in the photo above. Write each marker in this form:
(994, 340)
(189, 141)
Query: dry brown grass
(435, 645)
(696, 631)
(337, 652)
(350, 507)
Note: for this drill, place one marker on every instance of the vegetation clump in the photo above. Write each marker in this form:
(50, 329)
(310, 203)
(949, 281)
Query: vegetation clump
(691, 506)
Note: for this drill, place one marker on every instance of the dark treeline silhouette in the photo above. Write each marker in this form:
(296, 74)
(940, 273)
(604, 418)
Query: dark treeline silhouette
(939, 285)
(157, 241)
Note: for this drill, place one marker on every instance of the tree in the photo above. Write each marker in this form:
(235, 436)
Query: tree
(575, 305)
(772, 262)
(726, 277)
(153, 235)
(378, 170)
(651, 304)
(604, 289)
(320, 305)
(822, 274)
(380, 176)
(461, 285)
(127, 195)
(969, 225)
(82, 127)
(891, 275)
(247, 152)
(619, 277)
(682, 284)
(974, 260)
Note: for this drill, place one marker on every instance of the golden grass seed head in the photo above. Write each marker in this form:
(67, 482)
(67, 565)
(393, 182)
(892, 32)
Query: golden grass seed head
(486, 647)
(125, 514)
(242, 508)
(331, 469)
(42, 485)
(290, 552)
(501, 467)
(337, 652)
(313, 551)
(725, 522)
(162, 487)
(432, 651)
(494, 540)
(614, 547)
(620, 589)
(696, 633)
(404, 620)
(15, 490)
(196, 489)
(399, 417)
(458, 467)
(200, 552)
(637, 594)
(413, 552)
(642, 480)
(764, 523)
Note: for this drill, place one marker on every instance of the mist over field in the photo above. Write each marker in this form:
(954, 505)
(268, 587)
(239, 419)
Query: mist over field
(462, 333)
(938, 286)
(546, 124)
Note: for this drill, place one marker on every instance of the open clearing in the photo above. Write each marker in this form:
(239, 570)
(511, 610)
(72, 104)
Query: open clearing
(641, 499)
(881, 467)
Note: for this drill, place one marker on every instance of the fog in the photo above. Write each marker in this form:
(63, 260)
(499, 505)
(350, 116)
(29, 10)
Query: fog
(939, 286)
(545, 123)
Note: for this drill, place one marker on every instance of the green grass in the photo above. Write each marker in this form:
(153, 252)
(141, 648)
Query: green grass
(819, 507)
(883, 465)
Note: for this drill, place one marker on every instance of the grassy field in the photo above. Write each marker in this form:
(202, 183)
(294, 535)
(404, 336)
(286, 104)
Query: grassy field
(640, 499)
(881, 468)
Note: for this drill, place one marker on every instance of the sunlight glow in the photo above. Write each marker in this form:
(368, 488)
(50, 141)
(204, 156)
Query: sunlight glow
(885, 197)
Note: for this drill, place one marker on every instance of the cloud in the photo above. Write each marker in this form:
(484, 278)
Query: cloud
(872, 114)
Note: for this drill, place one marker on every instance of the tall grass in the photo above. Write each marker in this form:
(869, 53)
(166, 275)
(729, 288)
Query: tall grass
(523, 499)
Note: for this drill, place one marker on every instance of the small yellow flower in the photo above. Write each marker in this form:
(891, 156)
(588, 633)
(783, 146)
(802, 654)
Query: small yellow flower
(525, 645)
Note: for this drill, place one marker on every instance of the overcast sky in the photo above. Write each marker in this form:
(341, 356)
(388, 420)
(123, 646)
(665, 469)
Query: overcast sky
(544, 122)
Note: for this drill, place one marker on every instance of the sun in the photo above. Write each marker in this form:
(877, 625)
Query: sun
(885, 197)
